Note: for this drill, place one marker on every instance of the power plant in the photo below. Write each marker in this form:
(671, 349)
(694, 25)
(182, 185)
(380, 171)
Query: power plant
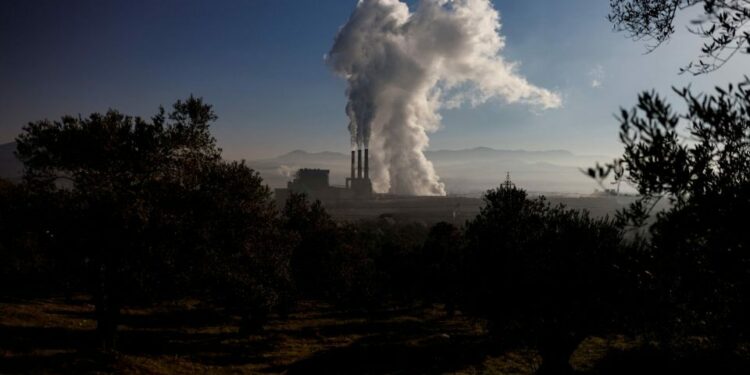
(360, 185)
(356, 199)
(315, 183)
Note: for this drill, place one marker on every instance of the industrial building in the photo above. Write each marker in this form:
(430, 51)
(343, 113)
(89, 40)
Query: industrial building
(356, 199)
(316, 185)
(360, 185)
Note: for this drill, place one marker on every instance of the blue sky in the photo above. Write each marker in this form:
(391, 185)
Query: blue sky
(260, 63)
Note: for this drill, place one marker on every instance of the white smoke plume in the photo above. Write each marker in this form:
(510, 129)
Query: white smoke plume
(402, 67)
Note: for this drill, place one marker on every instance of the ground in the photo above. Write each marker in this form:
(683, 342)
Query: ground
(53, 335)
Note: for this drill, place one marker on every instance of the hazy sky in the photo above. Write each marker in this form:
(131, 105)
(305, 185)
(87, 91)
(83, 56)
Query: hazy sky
(260, 63)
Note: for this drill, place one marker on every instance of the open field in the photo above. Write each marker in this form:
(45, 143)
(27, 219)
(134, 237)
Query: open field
(54, 336)
(186, 337)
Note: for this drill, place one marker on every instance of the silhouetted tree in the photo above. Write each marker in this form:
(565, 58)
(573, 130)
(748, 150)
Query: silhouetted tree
(357, 280)
(132, 192)
(723, 23)
(699, 161)
(353, 265)
(241, 252)
(23, 218)
(440, 265)
(396, 249)
(314, 259)
(333, 262)
(543, 276)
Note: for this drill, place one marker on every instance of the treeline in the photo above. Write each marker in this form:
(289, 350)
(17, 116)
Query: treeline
(135, 211)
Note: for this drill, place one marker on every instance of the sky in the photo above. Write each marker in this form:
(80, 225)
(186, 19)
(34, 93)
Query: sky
(260, 63)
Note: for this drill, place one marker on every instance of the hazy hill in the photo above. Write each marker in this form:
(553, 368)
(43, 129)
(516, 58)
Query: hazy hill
(467, 171)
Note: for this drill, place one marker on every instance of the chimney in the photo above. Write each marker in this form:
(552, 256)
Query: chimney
(359, 163)
(353, 164)
(367, 163)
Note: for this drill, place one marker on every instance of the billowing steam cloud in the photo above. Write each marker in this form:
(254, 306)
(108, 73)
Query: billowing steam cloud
(403, 67)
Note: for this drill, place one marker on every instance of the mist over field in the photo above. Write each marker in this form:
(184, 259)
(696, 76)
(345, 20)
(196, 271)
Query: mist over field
(464, 172)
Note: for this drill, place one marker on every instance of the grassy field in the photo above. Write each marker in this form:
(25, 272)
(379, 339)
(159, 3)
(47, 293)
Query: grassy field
(186, 337)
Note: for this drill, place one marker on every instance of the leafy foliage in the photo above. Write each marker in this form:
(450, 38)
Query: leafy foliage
(25, 218)
(700, 161)
(150, 209)
(234, 249)
(315, 256)
(544, 276)
(441, 265)
(353, 265)
(723, 24)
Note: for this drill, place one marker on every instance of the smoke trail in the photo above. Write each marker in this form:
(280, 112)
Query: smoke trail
(403, 67)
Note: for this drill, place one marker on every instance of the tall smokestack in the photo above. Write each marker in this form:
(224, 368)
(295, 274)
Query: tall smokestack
(367, 163)
(353, 164)
(359, 163)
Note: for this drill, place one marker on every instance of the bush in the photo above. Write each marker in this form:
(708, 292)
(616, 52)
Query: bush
(699, 160)
(543, 276)
(440, 265)
(147, 209)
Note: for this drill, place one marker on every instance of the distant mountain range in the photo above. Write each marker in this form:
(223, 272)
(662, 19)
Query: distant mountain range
(449, 156)
(468, 171)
